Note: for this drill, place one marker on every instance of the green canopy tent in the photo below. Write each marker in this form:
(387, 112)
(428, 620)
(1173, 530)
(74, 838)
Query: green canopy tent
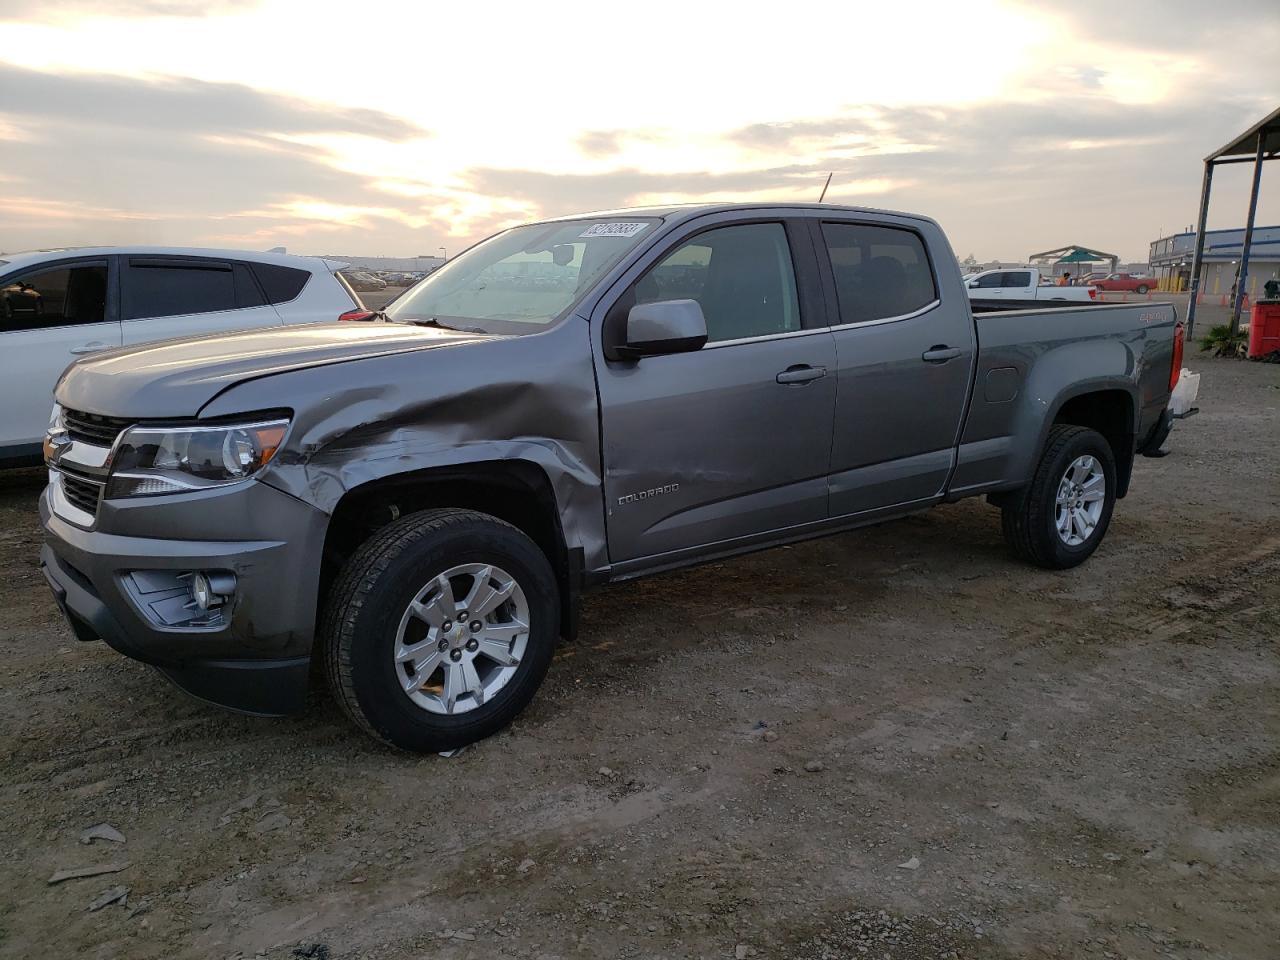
(1074, 253)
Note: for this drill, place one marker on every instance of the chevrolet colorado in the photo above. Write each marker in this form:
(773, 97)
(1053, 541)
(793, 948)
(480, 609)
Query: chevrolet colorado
(416, 505)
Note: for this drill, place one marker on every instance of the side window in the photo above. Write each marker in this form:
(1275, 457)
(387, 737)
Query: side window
(155, 289)
(742, 276)
(879, 271)
(58, 297)
(991, 280)
(281, 284)
(1017, 278)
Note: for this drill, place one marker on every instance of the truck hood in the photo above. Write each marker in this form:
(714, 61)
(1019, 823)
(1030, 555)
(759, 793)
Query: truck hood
(176, 378)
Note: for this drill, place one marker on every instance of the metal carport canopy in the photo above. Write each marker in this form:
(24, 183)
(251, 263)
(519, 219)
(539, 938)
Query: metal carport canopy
(1259, 143)
(1245, 146)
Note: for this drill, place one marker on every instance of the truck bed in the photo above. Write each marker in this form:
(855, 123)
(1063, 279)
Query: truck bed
(1032, 362)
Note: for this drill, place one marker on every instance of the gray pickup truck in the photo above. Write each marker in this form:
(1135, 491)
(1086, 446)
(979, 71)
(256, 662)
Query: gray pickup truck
(415, 504)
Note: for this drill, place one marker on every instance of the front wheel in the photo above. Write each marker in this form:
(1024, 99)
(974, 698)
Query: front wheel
(440, 628)
(1062, 516)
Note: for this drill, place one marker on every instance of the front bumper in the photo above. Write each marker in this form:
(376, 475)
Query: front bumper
(257, 659)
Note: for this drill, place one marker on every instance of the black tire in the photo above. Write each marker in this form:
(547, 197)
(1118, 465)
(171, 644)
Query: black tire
(1143, 288)
(1029, 519)
(362, 616)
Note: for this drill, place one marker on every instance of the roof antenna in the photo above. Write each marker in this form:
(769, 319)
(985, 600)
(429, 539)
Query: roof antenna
(824, 188)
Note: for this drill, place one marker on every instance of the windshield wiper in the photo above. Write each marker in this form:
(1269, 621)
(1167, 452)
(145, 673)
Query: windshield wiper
(437, 322)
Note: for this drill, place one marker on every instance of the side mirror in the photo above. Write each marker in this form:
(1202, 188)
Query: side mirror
(973, 284)
(666, 326)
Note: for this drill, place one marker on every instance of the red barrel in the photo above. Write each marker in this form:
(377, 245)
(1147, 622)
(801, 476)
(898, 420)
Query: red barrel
(1264, 328)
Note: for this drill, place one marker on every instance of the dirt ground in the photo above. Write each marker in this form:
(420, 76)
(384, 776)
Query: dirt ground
(897, 742)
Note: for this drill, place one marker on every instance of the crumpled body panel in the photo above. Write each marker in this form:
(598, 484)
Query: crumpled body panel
(530, 398)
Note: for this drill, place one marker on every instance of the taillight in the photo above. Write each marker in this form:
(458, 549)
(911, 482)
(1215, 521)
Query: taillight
(1179, 335)
(1093, 294)
(358, 315)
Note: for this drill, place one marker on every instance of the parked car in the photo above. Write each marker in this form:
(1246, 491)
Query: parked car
(363, 282)
(418, 504)
(58, 306)
(1025, 284)
(1129, 282)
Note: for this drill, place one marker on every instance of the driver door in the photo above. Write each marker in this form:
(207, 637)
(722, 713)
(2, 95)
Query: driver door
(708, 448)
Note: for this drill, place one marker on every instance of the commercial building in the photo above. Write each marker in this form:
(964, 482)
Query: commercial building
(1172, 256)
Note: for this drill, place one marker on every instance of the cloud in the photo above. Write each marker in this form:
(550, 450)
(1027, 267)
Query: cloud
(128, 9)
(1010, 177)
(1169, 25)
(1091, 127)
(600, 143)
(92, 158)
(182, 105)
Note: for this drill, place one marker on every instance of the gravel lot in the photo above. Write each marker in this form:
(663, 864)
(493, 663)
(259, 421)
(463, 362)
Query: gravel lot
(897, 743)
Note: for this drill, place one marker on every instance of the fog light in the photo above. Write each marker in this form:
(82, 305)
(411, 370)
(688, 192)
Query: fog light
(210, 590)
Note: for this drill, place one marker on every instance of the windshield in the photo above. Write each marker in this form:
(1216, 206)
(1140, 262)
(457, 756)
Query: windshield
(521, 280)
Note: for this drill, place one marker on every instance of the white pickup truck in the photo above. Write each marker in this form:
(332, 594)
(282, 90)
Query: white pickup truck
(1024, 283)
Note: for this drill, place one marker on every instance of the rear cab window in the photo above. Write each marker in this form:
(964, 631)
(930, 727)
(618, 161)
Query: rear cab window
(880, 272)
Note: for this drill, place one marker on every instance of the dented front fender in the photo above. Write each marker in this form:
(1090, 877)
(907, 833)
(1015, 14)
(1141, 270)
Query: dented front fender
(530, 398)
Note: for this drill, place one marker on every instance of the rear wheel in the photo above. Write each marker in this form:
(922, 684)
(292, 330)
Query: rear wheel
(1143, 288)
(439, 629)
(1062, 516)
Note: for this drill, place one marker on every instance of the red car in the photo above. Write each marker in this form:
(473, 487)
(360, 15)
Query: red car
(1125, 281)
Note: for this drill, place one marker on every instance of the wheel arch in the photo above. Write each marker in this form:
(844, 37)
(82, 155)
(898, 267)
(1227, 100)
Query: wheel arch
(516, 491)
(1111, 410)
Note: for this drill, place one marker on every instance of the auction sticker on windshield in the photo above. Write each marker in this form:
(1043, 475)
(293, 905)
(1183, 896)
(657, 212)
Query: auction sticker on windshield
(612, 230)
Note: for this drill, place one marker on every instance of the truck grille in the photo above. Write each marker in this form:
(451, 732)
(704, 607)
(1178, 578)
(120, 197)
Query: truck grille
(81, 493)
(93, 428)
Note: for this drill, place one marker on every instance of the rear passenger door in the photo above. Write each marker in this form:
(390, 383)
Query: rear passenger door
(167, 297)
(904, 361)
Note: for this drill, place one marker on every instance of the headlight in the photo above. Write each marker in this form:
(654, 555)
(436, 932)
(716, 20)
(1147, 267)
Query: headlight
(151, 460)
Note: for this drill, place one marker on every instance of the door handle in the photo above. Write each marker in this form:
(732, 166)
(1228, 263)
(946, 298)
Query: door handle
(939, 353)
(92, 347)
(801, 373)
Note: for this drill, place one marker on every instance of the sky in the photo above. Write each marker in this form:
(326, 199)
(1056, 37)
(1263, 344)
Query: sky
(396, 129)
